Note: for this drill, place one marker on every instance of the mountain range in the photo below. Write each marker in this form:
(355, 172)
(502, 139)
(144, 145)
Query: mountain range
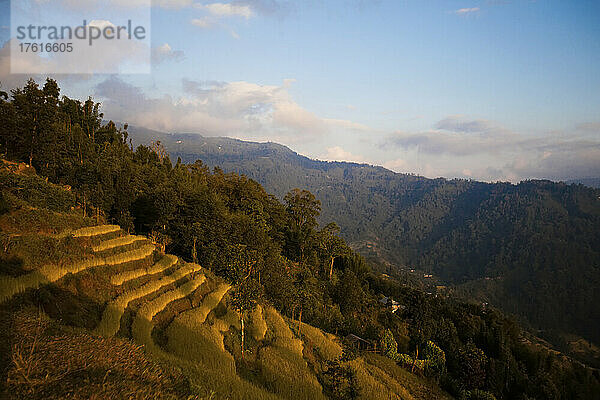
(531, 248)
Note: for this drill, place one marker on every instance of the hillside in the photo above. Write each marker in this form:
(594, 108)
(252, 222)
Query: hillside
(237, 253)
(89, 310)
(532, 249)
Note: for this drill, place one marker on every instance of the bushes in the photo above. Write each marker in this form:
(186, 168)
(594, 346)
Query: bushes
(37, 192)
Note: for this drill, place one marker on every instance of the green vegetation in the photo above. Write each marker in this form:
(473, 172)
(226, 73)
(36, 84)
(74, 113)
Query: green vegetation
(532, 249)
(266, 264)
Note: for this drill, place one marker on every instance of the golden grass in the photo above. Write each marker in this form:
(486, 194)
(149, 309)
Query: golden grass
(419, 388)
(327, 347)
(164, 263)
(283, 368)
(280, 332)
(201, 344)
(95, 230)
(132, 255)
(141, 328)
(10, 286)
(117, 242)
(258, 325)
(109, 325)
(374, 384)
(287, 375)
(209, 303)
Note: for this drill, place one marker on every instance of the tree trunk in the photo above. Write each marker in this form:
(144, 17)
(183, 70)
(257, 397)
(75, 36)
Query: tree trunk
(415, 360)
(331, 268)
(242, 326)
(300, 321)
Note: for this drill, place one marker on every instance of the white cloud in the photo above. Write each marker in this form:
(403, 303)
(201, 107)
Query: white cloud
(336, 153)
(204, 22)
(228, 10)
(397, 165)
(239, 109)
(467, 11)
(482, 149)
(166, 53)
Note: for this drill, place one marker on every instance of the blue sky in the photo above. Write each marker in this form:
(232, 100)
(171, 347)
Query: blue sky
(492, 90)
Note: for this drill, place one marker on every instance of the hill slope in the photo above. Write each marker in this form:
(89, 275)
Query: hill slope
(531, 248)
(89, 310)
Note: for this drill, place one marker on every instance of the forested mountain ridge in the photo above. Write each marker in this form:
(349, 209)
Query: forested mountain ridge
(532, 248)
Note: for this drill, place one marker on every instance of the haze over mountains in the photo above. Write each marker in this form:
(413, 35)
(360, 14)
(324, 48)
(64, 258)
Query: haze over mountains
(532, 248)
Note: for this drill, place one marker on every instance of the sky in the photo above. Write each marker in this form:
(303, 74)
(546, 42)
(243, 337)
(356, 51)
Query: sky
(487, 90)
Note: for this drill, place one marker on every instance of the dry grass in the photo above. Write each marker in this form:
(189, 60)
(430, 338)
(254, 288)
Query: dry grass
(280, 333)
(9, 286)
(109, 325)
(258, 325)
(283, 368)
(141, 328)
(132, 255)
(53, 362)
(326, 346)
(374, 387)
(95, 230)
(117, 242)
(163, 264)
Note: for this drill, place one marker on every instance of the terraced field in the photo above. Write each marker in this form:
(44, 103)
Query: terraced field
(178, 312)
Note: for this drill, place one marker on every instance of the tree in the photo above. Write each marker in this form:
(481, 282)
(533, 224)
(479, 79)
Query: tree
(389, 346)
(302, 208)
(241, 268)
(473, 362)
(435, 359)
(331, 244)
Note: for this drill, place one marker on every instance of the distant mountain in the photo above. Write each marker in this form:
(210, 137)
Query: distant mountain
(591, 182)
(532, 248)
